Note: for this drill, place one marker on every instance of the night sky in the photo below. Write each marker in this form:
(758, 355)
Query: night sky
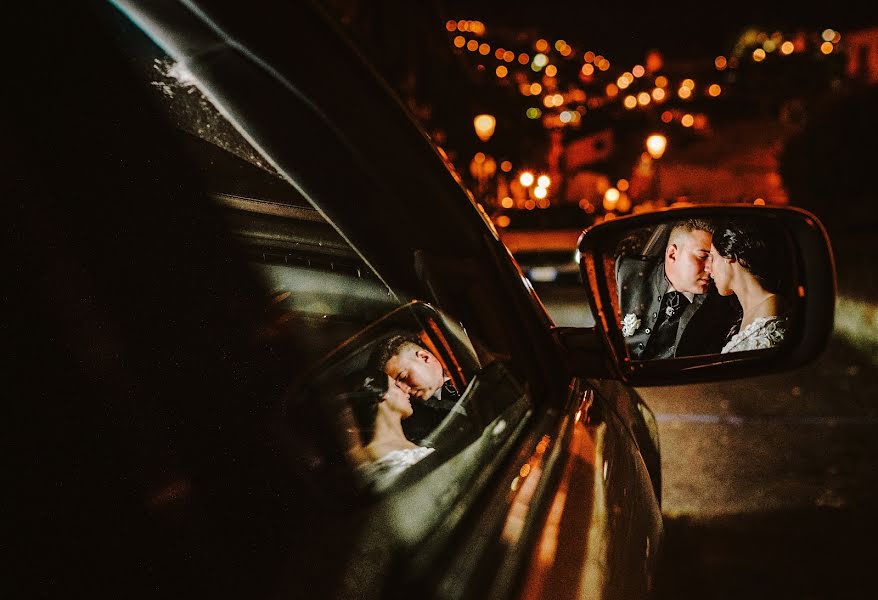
(626, 30)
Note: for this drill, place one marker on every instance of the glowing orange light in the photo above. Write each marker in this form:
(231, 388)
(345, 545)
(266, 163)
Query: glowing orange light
(507, 202)
(551, 70)
(502, 71)
(622, 83)
(643, 98)
(720, 63)
(630, 102)
(714, 90)
(638, 71)
(535, 88)
(484, 49)
(687, 120)
(530, 204)
(459, 41)
(588, 70)
(541, 45)
(523, 58)
(828, 35)
(549, 101)
(588, 56)
(667, 116)
(787, 48)
(658, 94)
(684, 93)
(484, 125)
(688, 83)
(661, 81)
(654, 61)
(656, 145)
(498, 53)
(759, 55)
(472, 45)
(566, 51)
(622, 185)
(509, 56)
(503, 220)
(505, 166)
(827, 47)
(612, 90)
(451, 25)
(759, 202)
(604, 65)
(611, 197)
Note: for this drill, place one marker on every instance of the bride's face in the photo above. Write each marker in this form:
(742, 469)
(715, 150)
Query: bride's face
(397, 400)
(720, 269)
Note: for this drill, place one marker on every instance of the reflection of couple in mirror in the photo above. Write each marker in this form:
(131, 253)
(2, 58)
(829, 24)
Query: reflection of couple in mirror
(402, 395)
(675, 303)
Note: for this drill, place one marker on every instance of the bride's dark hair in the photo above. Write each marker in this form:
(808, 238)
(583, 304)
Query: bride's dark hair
(364, 398)
(759, 247)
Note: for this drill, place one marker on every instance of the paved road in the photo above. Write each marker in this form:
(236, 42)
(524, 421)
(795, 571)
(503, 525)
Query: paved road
(771, 483)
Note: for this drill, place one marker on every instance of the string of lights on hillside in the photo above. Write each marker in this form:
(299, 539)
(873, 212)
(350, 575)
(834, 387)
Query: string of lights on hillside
(535, 72)
(566, 83)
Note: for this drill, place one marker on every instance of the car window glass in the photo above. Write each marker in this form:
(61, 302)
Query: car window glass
(442, 402)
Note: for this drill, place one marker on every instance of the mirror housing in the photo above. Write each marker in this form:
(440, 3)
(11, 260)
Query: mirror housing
(808, 293)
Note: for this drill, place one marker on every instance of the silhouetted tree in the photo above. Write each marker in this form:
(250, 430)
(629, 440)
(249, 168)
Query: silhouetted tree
(830, 165)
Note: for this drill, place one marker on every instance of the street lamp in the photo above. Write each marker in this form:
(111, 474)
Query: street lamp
(484, 125)
(655, 146)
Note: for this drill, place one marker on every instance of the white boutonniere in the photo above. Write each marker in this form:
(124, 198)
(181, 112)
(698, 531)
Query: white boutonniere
(630, 324)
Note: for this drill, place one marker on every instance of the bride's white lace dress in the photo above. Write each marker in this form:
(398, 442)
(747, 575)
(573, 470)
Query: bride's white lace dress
(393, 463)
(763, 332)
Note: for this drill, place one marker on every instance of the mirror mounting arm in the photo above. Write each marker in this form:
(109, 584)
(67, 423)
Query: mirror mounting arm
(585, 352)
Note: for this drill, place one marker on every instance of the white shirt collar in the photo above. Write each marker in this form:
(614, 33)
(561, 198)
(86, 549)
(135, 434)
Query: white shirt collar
(689, 295)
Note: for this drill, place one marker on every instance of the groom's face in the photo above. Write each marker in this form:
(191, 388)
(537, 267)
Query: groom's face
(416, 370)
(686, 259)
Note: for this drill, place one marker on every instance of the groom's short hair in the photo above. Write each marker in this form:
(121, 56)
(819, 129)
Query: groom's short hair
(391, 346)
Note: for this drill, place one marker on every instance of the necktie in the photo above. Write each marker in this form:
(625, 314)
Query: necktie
(673, 303)
(661, 341)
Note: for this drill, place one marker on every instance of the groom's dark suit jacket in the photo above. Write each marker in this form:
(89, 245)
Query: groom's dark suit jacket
(703, 325)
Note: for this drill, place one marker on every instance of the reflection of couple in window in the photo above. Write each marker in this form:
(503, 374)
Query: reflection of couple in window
(403, 395)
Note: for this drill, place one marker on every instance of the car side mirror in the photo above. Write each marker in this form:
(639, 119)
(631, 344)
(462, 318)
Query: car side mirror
(708, 293)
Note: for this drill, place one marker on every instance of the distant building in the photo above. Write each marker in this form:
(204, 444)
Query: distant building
(862, 51)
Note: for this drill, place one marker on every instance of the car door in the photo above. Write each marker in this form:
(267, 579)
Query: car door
(203, 450)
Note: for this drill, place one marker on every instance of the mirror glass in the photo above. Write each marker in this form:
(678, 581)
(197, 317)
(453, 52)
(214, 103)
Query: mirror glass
(683, 287)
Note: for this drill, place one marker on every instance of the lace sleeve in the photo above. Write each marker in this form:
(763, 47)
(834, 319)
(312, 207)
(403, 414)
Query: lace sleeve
(763, 333)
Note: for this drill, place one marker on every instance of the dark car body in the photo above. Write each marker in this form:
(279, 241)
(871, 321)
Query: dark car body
(162, 443)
